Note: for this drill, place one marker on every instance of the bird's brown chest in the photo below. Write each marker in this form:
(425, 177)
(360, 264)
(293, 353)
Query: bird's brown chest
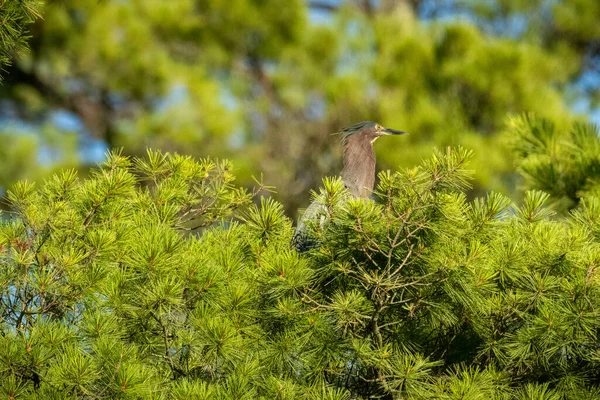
(359, 167)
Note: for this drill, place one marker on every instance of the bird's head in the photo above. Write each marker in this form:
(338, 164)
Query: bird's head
(367, 131)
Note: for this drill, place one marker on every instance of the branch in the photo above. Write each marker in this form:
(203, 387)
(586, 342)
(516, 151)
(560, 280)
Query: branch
(167, 355)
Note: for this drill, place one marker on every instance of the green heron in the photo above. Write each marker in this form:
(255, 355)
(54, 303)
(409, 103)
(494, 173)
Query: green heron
(358, 173)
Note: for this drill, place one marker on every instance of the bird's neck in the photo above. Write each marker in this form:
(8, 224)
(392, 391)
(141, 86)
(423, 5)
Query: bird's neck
(359, 167)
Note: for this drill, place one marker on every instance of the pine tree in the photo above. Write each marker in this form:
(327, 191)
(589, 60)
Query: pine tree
(157, 277)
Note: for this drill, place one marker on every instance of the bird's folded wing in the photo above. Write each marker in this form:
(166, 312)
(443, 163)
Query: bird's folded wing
(301, 240)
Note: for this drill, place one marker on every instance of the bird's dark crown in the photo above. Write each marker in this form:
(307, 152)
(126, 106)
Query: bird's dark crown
(369, 129)
(360, 126)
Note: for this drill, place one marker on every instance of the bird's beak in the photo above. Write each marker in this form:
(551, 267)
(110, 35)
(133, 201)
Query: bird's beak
(389, 131)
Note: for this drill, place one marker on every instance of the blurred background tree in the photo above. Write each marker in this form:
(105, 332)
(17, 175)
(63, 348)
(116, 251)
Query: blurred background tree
(265, 82)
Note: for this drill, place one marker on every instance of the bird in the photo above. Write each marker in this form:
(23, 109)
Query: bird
(358, 173)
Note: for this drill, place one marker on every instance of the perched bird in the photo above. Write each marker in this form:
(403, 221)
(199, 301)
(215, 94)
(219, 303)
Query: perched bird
(358, 173)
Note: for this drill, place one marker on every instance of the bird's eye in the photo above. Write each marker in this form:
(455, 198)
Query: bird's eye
(378, 127)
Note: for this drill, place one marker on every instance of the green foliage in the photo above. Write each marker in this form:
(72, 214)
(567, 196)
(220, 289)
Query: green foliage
(418, 293)
(562, 161)
(76, 256)
(16, 15)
